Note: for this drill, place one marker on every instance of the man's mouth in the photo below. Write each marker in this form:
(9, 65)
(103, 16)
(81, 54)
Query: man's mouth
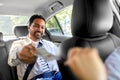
(38, 33)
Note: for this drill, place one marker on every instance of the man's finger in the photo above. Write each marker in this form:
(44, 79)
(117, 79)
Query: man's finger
(74, 51)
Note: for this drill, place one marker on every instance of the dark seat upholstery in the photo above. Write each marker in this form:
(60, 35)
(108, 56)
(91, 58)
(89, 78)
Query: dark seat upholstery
(1, 36)
(20, 31)
(5, 70)
(91, 21)
(13, 70)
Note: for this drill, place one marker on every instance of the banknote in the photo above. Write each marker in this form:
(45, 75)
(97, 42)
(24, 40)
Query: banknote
(45, 54)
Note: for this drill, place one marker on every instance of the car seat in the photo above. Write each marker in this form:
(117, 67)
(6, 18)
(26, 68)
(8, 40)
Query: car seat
(91, 21)
(5, 70)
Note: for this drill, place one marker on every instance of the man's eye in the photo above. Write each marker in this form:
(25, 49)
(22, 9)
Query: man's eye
(42, 27)
(35, 25)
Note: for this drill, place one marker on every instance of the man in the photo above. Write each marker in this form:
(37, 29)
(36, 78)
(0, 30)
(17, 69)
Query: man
(23, 54)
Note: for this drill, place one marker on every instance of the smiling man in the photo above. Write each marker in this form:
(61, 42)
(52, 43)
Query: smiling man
(23, 54)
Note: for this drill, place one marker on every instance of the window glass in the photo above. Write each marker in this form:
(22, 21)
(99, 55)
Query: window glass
(53, 27)
(64, 18)
(7, 23)
(60, 24)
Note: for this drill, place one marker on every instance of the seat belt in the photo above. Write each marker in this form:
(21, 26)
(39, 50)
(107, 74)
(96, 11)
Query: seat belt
(28, 70)
(30, 66)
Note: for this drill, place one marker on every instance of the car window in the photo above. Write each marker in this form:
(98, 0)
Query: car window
(53, 27)
(60, 24)
(8, 22)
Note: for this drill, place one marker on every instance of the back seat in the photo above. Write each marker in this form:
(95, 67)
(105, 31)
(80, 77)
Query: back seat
(7, 72)
(5, 69)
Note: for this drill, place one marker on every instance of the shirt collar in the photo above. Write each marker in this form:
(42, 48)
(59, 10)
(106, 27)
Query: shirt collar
(34, 42)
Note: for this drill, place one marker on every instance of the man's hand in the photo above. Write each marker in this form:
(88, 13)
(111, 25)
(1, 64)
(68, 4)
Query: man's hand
(86, 64)
(27, 54)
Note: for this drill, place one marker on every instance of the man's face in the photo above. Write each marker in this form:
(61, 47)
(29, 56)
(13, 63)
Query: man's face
(37, 29)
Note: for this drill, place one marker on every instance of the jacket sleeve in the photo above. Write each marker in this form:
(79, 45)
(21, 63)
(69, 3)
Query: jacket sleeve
(113, 65)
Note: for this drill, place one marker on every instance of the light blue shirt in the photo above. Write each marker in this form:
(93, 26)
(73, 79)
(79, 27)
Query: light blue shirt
(112, 64)
(38, 67)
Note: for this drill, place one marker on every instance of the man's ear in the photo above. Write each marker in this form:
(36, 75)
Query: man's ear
(28, 27)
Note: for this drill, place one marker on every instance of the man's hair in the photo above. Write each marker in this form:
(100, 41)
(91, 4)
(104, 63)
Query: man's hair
(36, 16)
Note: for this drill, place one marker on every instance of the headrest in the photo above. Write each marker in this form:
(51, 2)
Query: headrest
(91, 18)
(1, 36)
(20, 31)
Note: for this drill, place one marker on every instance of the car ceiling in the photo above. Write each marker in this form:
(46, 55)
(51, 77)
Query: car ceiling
(29, 7)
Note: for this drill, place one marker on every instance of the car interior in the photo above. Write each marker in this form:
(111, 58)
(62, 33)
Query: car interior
(93, 24)
(46, 8)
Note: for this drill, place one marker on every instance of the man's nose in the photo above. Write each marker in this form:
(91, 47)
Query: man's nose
(40, 28)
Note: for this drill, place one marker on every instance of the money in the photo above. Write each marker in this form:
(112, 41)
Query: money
(45, 54)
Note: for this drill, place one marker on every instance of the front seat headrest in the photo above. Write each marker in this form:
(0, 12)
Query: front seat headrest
(91, 18)
(20, 31)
